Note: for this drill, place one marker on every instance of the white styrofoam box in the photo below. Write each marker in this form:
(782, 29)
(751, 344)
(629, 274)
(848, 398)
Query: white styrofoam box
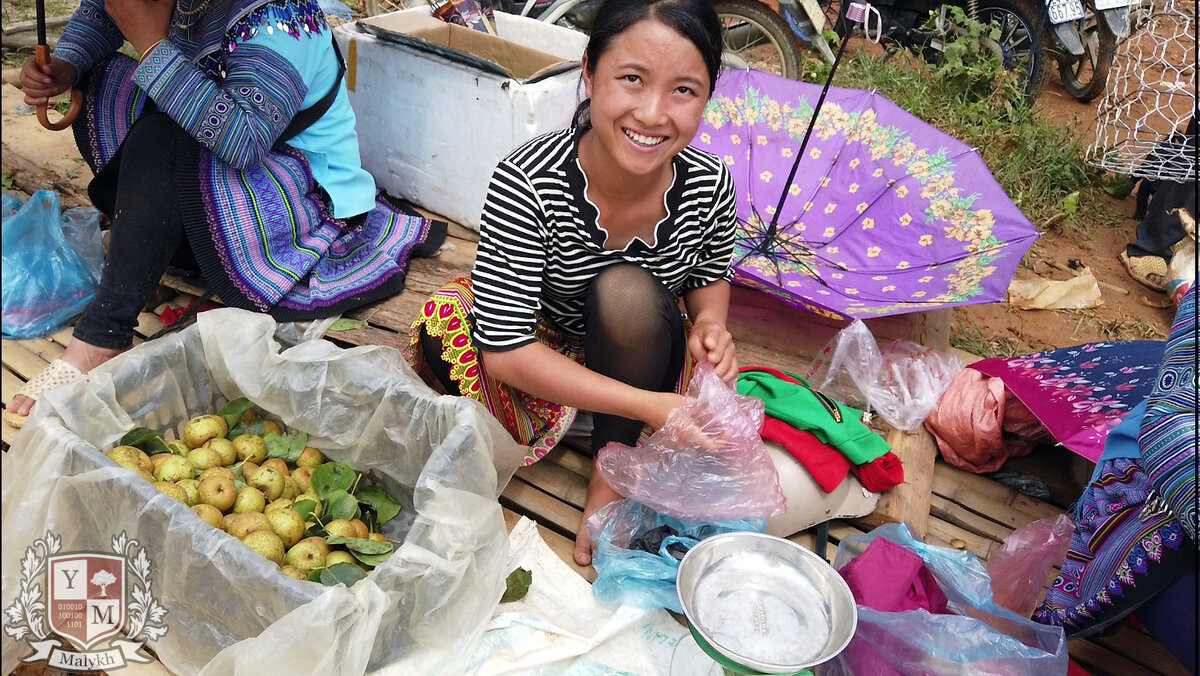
(431, 130)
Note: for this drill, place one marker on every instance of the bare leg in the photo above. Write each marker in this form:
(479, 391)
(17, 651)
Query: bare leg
(79, 354)
(599, 495)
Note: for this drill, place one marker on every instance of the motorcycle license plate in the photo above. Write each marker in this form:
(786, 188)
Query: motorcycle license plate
(1062, 11)
(1102, 5)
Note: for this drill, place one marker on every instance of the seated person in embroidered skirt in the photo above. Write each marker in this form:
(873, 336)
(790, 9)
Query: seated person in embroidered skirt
(588, 238)
(228, 151)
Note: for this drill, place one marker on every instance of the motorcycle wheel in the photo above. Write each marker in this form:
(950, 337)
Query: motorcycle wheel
(756, 37)
(1020, 39)
(1085, 78)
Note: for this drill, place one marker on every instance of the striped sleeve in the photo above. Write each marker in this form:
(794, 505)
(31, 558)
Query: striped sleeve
(239, 119)
(90, 36)
(509, 263)
(720, 226)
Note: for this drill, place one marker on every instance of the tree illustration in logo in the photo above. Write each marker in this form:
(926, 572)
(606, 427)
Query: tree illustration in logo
(102, 579)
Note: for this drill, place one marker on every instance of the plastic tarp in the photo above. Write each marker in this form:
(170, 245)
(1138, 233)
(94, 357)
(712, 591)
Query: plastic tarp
(230, 611)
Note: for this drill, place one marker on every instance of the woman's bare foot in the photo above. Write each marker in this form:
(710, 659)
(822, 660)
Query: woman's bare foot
(599, 495)
(79, 354)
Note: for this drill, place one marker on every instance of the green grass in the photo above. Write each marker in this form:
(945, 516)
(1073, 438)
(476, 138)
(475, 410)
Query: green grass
(1037, 163)
(971, 339)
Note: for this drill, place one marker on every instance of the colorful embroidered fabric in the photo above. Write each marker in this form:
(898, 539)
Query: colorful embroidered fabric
(277, 242)
(1079, 393)
(1169, 435)
(533, 422)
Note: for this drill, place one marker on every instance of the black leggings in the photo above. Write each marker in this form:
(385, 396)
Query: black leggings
(138, 190)
(634, 334)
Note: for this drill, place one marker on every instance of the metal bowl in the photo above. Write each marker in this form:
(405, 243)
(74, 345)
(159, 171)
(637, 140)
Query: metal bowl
(766, 603)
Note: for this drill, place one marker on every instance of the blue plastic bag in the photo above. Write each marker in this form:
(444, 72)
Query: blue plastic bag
(640, 578)
(980, 638)
(51, 269)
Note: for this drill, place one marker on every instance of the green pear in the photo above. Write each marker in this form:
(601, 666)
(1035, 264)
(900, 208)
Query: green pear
(310, 457)
(250, 447)
(340, 557)
(131, 458)
(267, 544)
(217, 491)
(211, 515)
(360, 528)
(178, 447)
(308, 554)
(377, 537)
(225, 448)
(303, 478)
(272, 426)
(204, 458)
(341, 528)
(269, 481)
(288, 525)
(175, 468)
(293, 572)
(249, 500)
(241, 525)
(192, 488)
(279, 465)
(202, 428)
(281, 503)
(217, 471)
(290, 489)
(169, 489)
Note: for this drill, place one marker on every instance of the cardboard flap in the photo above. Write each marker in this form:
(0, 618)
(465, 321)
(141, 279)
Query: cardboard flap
(478, 50)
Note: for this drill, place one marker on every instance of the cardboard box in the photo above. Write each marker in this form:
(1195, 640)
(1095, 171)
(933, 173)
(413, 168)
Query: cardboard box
(438, 105)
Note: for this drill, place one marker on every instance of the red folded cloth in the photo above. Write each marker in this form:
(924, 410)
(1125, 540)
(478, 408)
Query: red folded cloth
(170, 315)
(827, 464)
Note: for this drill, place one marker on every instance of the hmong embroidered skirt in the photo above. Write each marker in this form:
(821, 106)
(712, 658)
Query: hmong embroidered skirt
(535, 423)
(263, 238)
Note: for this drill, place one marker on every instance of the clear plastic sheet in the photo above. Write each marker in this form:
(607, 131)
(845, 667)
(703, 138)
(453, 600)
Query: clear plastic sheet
(980, 638)
(902, 382)
(51, 268)
(632, 576)
(708, 463)
(230, 611)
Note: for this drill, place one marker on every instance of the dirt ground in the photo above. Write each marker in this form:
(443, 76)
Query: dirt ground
(1135, 314)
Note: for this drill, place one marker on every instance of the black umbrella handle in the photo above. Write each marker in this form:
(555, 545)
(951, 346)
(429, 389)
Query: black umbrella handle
(42, 57)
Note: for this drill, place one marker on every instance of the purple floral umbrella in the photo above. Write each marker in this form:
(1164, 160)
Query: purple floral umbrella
(1080, 393)
(885, 215)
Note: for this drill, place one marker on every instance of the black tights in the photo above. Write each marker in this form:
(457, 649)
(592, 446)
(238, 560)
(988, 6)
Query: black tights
(138, 190)
(634, 334)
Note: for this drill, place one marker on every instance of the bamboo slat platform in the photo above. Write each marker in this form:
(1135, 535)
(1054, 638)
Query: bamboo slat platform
(966, 511)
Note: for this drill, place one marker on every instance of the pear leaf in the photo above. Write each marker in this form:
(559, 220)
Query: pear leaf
(330, 477)
(516, 585)
(137, 436)
(347, 324)
(340, 505)
(371, 560)
(288, 447)
(255, 426)
(238, 470)
(342, 573)
(314, 575)
(155, 445)
(238, 484)
(361, 545)
(305, 508)
(386, 507)
(234, 410)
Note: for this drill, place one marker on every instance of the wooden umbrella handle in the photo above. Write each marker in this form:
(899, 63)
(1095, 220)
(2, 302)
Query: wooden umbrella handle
(43, 57)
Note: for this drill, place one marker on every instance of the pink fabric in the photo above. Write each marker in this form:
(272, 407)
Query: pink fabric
(979, 425)
(889, 578)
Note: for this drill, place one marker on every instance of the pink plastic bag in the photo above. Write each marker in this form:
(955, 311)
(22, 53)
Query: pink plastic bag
(1020, 567)
(671, 474)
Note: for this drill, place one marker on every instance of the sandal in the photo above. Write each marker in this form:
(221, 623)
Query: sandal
(57, 373)
(1140, 268)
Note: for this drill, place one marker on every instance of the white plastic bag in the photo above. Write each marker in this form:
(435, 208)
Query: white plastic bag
(902, 383)
(229, 610)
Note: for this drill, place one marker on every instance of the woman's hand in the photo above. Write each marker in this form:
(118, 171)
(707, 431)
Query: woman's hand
(142, 22)
(41, 83)
(711, 341)
(658, 408)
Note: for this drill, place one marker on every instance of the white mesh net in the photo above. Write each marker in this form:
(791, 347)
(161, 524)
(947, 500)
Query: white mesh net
(1151, 97)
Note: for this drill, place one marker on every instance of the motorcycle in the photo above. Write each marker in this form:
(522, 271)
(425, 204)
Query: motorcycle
(754, 35)
(1085, 75)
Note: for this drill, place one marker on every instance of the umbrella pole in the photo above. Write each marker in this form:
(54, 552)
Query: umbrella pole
(42, 58)
(855, 13)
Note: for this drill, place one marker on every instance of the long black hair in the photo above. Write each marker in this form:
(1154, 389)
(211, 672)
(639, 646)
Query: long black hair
(693, 19)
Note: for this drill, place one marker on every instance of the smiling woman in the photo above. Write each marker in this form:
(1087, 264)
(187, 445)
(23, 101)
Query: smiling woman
(589, 238)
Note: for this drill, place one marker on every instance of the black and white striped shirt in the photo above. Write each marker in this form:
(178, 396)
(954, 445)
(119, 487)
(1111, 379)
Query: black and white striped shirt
(541, 246)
